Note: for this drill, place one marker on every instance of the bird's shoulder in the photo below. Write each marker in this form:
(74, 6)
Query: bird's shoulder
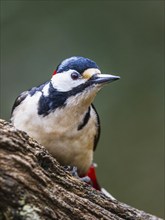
(24, 94)
(19, 99)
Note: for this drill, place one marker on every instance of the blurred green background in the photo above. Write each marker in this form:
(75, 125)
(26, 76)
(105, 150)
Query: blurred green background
(124, 38)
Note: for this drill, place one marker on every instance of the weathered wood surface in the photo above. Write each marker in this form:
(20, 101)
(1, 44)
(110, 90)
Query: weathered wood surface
(34, 186)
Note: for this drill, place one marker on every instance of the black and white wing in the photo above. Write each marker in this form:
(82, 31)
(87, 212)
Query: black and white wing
(97, 136)
(19, 99)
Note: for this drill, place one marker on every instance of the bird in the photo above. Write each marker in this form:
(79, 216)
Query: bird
(60, 114)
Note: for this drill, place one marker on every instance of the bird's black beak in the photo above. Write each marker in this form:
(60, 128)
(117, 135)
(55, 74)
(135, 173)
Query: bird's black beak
(103, 78)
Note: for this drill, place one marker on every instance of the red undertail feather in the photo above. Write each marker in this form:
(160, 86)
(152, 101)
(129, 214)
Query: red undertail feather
(92, 175)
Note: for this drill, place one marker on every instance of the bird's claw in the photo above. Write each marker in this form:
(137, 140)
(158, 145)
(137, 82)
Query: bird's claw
(74, 172)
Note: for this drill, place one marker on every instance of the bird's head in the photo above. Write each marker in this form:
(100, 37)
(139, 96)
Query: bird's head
(79, 75)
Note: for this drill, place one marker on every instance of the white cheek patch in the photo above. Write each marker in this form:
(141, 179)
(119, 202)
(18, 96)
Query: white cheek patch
(63, 81)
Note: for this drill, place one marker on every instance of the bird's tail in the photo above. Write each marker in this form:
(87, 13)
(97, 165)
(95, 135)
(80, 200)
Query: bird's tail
(94, 182)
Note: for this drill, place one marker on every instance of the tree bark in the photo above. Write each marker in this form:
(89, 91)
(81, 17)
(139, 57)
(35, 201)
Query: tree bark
(34, 186)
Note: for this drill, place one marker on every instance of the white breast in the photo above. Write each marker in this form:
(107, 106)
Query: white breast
(58, 131)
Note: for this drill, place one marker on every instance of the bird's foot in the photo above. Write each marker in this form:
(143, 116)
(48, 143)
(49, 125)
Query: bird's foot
(90, 179)
(74, 172)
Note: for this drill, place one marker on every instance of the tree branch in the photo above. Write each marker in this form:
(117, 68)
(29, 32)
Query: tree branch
(34, 186)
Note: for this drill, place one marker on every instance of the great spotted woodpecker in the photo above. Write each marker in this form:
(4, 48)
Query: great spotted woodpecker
(60, 115)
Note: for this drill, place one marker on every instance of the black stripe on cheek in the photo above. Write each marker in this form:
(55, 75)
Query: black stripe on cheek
(85, 120)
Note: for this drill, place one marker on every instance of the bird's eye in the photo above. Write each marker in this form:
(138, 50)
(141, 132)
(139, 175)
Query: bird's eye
(74, 75)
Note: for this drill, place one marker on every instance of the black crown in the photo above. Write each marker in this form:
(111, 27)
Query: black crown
(80, 64)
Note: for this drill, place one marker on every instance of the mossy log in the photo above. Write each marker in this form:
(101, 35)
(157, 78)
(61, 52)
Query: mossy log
(34, 186)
